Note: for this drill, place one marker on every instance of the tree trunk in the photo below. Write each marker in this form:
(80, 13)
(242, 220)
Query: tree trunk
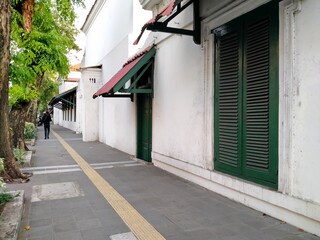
(33, 112)
(10, 167)
(27, 14)
(17, 117)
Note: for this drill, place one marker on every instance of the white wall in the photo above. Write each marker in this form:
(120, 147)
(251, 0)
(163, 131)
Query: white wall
(90, 82)
(110, 40)
(118, 114)
(183, 112)
(178, 105)
(306, 115)
(57, 113)
(107, 30)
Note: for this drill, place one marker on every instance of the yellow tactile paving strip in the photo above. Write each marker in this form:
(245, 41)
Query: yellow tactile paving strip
(140, 227)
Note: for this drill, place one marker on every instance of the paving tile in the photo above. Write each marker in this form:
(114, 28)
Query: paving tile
(65, 227)
(39, 211)
(62, 219)
(123, 236)
(48, 237)
(40, 222)
(71, 235)
(80, 213)
(88, 223)
(308, 236)
(37, 232)
(185, 222)
(95, 234)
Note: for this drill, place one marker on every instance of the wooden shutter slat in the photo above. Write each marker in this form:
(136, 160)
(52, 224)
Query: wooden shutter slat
(228, 103)
(257, 96)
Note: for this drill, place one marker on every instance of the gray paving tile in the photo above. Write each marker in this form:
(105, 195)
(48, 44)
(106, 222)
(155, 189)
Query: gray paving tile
(80, 213)
(42, 238)
(88, 223)
(202, 234)
(62, 219)
(65, 227)
(308, 236)
(71, 235)
(38, 212)
(95, 234)
(40, 232)
(185, 222)
(40, 222)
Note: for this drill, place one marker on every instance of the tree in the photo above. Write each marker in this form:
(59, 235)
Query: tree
(38, 24)
(10, 168)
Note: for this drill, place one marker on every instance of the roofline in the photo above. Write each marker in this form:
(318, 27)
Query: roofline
(95, 66)
(93, 13)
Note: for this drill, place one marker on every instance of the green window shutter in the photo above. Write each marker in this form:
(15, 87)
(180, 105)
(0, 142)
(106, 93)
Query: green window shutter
(246, 96)
(260, 94)
(228, 98)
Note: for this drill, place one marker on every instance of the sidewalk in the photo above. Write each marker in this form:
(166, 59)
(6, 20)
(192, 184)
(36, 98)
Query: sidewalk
(72, 208)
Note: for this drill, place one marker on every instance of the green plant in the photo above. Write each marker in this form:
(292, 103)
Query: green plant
(30, 131)
(19, 154)
(2, 184)
(5, 197)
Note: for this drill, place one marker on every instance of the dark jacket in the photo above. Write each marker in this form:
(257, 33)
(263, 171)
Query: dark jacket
(46, 119)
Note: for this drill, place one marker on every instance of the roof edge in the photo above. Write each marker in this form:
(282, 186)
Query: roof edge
(93, 13)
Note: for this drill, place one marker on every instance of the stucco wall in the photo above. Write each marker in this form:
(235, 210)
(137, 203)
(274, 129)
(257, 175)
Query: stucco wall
(107, 30)
(306, 114)
(110, 43)
(117, 114)
(178, 104)
(90, 81)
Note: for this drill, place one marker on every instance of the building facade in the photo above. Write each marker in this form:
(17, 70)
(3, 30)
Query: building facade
(65, 103)
(235, 112)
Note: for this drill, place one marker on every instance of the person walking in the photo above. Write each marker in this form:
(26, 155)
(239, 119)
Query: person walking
(46, 119)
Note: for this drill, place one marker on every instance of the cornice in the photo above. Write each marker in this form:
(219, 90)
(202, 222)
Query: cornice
(149, 4)
(95, 9)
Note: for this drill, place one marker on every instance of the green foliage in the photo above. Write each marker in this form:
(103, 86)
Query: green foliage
(42, 51)
(19, 154)
(5, 197)
(20, 94)
(49, 88)
(2, 184)
(30, 131)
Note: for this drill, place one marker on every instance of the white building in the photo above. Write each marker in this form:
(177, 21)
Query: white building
(231, 108)
(110, 29)
(65, 103)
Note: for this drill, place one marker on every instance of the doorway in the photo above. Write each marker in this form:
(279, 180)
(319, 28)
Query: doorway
(144, 128)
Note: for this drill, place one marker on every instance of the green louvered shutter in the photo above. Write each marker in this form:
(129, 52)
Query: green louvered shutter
(246, 96)
(261, 94)
(228, 98)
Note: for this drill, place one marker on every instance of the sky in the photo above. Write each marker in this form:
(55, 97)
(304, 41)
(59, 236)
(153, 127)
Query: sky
(75, 57)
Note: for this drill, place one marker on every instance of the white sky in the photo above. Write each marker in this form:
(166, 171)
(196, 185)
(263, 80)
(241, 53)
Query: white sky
(75, 57)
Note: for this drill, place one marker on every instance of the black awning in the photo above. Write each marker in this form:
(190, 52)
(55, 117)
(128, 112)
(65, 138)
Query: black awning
(58, 100)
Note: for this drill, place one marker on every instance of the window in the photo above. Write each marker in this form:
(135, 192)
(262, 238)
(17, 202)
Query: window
(246, 96)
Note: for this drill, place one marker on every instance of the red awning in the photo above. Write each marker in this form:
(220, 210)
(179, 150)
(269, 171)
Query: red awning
(124, 72)
(164, 13)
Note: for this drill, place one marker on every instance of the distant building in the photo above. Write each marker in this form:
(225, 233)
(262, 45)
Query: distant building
(65, 103)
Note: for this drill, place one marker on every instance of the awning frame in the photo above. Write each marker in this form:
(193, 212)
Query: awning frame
(58, 100)
(147, 62)
(156, 26)
(133, 86)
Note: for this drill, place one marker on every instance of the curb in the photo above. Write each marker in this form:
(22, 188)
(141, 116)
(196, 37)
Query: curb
(11, 217)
